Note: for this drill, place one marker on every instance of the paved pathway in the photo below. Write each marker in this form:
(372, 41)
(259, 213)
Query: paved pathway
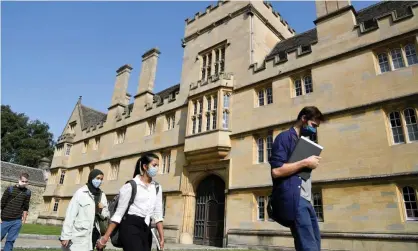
(51, 242)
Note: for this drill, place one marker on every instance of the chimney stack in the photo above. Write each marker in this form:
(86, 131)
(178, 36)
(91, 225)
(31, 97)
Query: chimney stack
(326, 7)
(121, 86)
(148, 71)
(333, 19)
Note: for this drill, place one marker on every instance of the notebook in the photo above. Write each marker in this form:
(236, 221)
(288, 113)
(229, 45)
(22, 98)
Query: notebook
(305, 148)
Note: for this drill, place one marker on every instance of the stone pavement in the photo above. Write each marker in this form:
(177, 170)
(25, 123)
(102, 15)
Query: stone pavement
(31, 241)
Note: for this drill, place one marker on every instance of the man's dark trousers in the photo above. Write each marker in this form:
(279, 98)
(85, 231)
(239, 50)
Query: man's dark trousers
(11, 228)
(305, 230)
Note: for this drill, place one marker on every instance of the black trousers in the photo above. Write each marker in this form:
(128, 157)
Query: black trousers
(95, 237)
(135, 234)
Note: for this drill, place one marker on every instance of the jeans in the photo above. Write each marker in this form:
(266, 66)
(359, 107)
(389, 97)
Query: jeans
(11, 228)
(305, 230)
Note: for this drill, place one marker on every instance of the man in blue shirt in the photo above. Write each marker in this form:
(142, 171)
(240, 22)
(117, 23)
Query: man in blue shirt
(291, 194)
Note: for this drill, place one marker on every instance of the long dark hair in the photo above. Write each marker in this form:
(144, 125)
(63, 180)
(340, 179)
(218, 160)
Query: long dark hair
(145, 159)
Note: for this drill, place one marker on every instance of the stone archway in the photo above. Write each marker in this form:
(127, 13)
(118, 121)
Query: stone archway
(210, 212)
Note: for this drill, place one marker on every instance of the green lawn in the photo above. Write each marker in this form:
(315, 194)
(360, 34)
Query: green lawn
(40, 229)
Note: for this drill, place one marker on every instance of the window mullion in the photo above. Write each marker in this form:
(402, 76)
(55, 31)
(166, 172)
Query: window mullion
(404, 58)
(404, 127)
(302, 81)
(265, 150)
(392, 66)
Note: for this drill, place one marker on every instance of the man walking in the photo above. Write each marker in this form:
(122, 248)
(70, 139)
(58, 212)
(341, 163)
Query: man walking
(14, 210)
(291, 194)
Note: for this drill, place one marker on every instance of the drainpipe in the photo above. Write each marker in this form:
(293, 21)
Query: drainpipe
(251, 14)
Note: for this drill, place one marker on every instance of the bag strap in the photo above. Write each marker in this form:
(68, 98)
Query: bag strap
(157, 187)
(133, 194)
(11, 189)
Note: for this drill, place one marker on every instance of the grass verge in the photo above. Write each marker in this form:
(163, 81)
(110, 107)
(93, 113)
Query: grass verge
(40, 229)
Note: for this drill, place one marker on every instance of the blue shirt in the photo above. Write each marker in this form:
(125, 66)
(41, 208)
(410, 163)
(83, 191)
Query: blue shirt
(286, 191)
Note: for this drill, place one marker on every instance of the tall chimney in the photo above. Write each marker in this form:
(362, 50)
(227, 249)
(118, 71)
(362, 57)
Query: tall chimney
(334, 19)
(148, 71)
(121, 86)
(326, 7)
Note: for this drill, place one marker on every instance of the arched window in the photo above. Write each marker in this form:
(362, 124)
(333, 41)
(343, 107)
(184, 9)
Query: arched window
(411, 124)
(298, 87)
(410, 202)
(308, 84)
(411, 54)
(383, 62)
(397, 58)
(396, 126)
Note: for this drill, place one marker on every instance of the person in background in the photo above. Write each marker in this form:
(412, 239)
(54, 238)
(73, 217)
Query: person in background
(81, 230)
(14, 210)
(134, 229)
(291, 195)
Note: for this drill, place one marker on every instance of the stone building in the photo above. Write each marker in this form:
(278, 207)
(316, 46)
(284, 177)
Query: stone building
(246, 74)
(10, 174)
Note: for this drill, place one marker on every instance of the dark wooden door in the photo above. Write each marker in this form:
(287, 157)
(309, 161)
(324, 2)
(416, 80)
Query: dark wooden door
(210, 212)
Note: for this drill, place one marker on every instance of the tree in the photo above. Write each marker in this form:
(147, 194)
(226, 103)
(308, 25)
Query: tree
(23, 141)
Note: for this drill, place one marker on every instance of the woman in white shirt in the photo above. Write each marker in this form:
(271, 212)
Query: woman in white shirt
(81, 229)
(134, 229)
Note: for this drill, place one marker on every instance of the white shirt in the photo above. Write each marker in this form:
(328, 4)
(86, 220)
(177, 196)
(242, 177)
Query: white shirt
(147, 203)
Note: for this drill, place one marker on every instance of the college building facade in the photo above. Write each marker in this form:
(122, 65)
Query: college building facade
(246, 74)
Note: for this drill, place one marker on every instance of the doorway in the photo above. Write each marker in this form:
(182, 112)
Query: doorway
(210, 212)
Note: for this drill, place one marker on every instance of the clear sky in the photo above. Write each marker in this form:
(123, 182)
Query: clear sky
(54, 52)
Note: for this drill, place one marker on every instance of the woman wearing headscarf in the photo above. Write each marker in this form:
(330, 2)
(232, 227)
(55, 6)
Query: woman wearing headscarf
(134, 227)
(81, 227)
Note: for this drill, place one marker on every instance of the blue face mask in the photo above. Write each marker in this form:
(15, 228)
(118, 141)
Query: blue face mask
(96, 183)
(308, 131)
(152, 171)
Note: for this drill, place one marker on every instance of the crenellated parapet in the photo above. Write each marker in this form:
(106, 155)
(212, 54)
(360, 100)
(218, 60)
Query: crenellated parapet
(277, 14)
(397, 11)
(96, 127)
(208, 10)
(292, 48)
(217, 80)
(164, 97)
(215, 16)
(66, 138)
(377, 22)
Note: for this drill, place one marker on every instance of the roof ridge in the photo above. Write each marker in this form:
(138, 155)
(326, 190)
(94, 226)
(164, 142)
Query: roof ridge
(299, 34)
(21, 165)
(80, 112)
(93, 109)
(178, 84)
(373, 5)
